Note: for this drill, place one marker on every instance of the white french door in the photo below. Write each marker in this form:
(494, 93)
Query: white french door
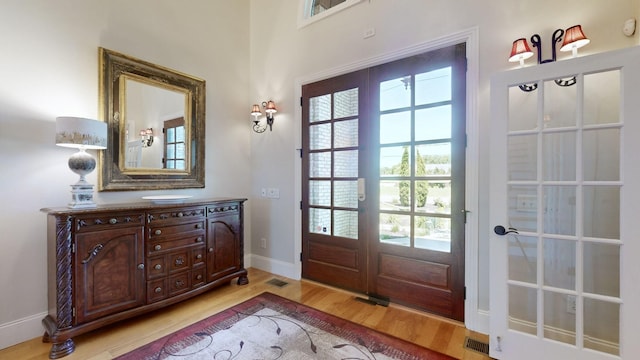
(565, 200)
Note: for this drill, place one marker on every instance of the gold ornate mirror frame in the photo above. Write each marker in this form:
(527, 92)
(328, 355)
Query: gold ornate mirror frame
(119, 72)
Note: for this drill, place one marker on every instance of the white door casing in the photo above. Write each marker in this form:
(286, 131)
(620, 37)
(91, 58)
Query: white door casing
(565, 182)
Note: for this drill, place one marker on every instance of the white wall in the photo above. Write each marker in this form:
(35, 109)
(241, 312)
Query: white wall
(248, 51)
(283, 54)
(49, 68)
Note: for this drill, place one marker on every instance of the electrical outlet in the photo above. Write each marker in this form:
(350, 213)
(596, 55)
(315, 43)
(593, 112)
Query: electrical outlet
(263, 243)
(571, 304)
(368, 32)
(273, 193)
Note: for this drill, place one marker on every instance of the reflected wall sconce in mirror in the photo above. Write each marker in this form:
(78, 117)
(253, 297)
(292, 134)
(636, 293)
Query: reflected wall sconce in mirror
(256, 112)
(573, 39)
(81, 134)
(146, 136)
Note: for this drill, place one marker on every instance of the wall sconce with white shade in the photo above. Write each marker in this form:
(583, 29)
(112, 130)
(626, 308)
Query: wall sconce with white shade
(146, 136)
(573, 39)
(81, 134)
(269, 109)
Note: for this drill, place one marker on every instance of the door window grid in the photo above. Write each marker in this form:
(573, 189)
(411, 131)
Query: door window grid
(415, 160)
(333, 159)
(175, 146)
(553, 203)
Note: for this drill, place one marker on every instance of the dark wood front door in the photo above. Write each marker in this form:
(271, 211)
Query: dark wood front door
(383, 181)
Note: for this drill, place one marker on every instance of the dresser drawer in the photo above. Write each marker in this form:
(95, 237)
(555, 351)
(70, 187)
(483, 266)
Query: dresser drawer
(179, 283)
(98, 222)
(156, 267)
(161, 247)
(159, 232)
(175, 215)
(156, 290)
(198, 277)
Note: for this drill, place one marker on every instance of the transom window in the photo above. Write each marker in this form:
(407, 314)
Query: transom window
(314, 10)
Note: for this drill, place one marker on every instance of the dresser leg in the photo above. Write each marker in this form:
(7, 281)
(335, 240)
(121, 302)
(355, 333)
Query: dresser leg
(62, 349)
(243, 280)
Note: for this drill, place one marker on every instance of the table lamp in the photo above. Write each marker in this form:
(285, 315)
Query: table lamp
(82, 134)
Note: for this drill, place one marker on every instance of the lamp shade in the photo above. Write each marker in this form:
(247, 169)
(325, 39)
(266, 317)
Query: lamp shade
(255, 110)
(574, 38)
(75, 132)
(520, 50)
(271, 107)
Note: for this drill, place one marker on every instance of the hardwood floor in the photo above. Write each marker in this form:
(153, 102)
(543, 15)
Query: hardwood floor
(426, 330)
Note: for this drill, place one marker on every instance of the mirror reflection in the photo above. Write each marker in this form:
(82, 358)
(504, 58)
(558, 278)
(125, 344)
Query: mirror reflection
(155, 118)
(154, 126)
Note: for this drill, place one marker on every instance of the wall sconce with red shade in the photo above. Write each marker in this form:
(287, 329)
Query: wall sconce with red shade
(146, 136)
(269, 110)
(574, 39)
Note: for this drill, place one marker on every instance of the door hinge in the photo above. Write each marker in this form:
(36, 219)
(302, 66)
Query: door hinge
(73, 247)
(300, 101)
(300, 150)
(465, 140)
(300, 205)
(465, 293)
(300, 256)
(73, 311)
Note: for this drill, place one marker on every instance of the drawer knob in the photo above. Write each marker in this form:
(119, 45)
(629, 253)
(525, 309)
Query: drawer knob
(113, 221)
(210, 249)
(199, 277)
(199, 256)
(157, 247)
(199, 239)
(158, 232)
(158, 290)
(141, 266)
(180, 214)
(179, 283)
(158, 267)
(198, 226)
(179, 261)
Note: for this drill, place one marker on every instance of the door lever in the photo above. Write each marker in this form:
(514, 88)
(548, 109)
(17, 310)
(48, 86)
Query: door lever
(500, 230)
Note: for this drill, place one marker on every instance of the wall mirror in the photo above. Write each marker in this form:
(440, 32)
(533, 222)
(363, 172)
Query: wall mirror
(155, 118)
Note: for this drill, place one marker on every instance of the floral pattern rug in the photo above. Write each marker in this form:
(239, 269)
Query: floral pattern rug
(271, 327)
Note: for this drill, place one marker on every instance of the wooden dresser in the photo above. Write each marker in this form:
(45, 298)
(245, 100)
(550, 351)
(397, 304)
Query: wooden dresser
(114, 262)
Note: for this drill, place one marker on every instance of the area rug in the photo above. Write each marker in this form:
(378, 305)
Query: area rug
(271, 327)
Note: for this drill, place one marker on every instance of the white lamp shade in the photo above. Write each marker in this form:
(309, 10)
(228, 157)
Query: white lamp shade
(75, 132)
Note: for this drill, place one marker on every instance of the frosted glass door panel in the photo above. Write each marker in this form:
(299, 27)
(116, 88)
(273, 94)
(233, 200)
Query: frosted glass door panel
(559, 152)
(560, 105)
(522, 157)
(523, 111)
(601, 155)
(602, 98)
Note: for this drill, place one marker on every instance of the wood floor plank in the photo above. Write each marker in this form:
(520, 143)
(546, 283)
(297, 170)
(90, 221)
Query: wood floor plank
(104, 344)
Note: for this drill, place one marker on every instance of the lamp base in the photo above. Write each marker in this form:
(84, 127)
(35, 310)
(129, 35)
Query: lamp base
(82, 196)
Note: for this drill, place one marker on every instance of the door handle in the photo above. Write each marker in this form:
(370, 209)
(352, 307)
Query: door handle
(361, 191)
(500, 230)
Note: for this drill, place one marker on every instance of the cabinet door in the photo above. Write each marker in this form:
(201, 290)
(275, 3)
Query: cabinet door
(109, 272)
(223, 246)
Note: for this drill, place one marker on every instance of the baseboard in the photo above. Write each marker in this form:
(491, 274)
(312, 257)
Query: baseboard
(565, 336)
(275, 267)
(21, 330)
(482, 322)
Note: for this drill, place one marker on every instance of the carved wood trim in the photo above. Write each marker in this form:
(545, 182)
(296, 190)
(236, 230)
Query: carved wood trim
(64, 277)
